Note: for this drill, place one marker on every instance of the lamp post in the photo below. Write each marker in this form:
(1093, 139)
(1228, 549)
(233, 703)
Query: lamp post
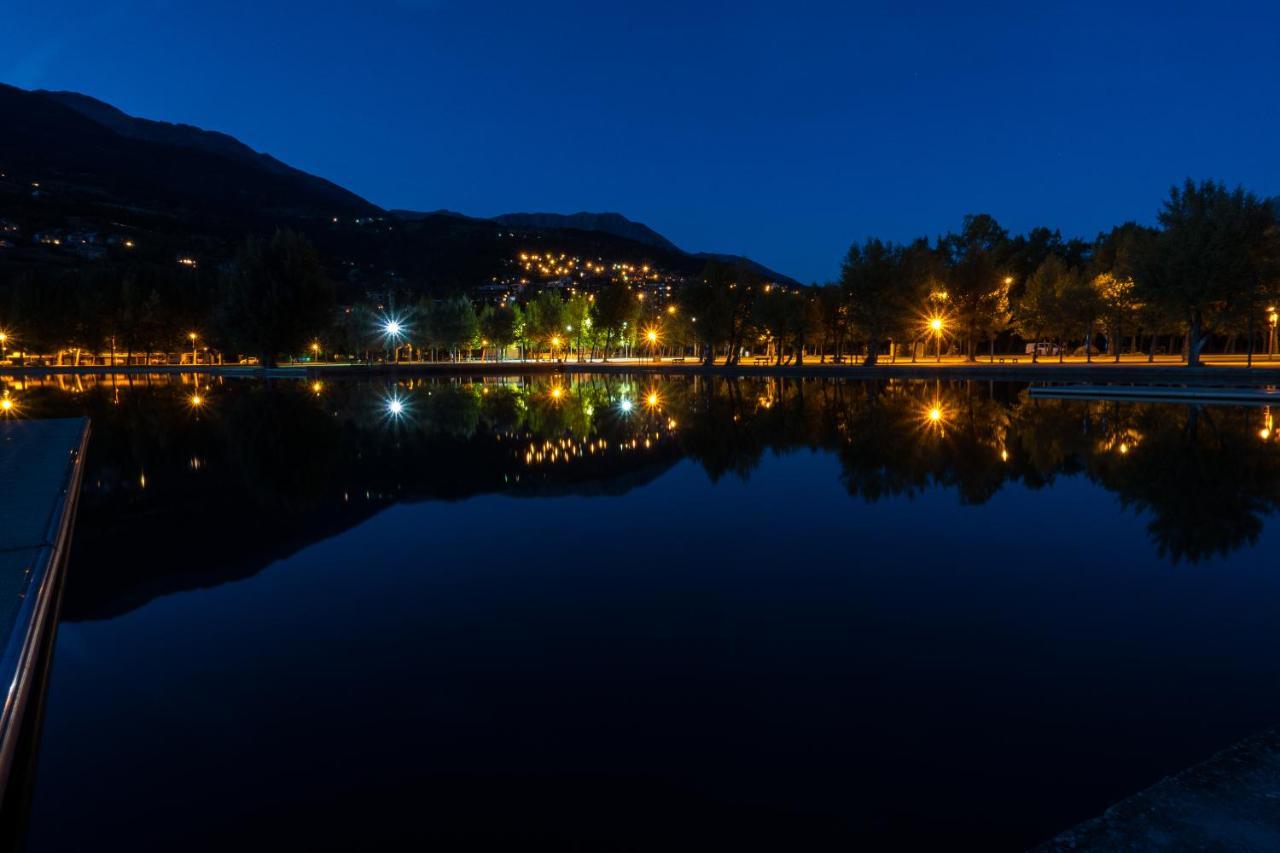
(4, 341)
(1272, 317)
(652, 337)
(936, 325)
(193, 336)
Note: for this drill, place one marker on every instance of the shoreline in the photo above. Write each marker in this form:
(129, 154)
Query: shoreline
(1177, 374)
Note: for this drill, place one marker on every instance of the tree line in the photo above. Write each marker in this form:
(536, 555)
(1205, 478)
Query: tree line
(1209, 270)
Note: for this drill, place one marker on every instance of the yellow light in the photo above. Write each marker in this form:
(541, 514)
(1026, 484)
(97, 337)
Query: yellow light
(652, 400)
(936, 324)
(671, 309)
(1004, 456)
(935, 414)
(315, 348)
(1124, 448)
(1263, 433)
(1008, 279)
(6, 405)
(4, 336)
(316, 387)
(192, 336)
(555, 341)
(651, 336)
(557, 392)
(197, 401)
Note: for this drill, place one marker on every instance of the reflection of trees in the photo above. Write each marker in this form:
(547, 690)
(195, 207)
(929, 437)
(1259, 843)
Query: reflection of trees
(1200, 474)
(287, 461)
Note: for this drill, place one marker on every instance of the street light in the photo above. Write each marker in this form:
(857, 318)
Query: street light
(936, 325)
(652, 337)
(193, 336)
(1272, 318)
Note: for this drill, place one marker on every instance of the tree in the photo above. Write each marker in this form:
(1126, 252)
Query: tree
(1038, 309)
(275, 296)
(976, 277)
(616, 307)
(497, 324)
(1211, 252)
(881, 291)
(577, 321)
(545, 316)
(452, 324)
(721, 301)
(833, 313)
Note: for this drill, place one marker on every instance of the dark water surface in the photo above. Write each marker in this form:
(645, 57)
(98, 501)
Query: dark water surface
(725, 616)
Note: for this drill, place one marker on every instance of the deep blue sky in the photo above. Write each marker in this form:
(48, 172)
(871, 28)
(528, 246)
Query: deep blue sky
(778, 130)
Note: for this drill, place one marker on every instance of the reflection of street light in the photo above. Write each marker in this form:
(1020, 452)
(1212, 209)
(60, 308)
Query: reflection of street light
(196, 401)
(6, 404)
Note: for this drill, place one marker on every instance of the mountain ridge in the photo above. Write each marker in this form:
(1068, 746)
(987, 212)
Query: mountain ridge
(91, 155)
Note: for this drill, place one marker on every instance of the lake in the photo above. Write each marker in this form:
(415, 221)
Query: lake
(611, 613)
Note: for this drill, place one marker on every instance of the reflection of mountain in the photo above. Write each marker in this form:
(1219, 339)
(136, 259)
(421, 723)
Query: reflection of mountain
(262, 471)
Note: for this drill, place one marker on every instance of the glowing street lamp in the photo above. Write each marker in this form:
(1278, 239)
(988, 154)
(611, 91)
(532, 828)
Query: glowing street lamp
(4, 341)
(193, 336)
(651, 336)
(936, 326)
(393, 331)
(1272, 318)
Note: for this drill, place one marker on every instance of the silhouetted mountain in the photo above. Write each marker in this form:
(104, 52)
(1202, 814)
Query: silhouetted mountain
(88, 150)
(74, 163)
(609, 223)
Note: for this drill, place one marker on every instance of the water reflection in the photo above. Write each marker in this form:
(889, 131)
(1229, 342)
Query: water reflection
(173, 462)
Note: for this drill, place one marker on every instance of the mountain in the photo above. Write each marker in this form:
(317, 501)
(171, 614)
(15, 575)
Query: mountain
(88, 150)
(609, 223)
(77, 166)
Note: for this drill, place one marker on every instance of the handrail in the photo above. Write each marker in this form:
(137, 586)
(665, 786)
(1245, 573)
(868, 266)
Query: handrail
(25, 650)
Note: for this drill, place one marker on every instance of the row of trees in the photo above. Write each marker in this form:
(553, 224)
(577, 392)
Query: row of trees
(1211, 268)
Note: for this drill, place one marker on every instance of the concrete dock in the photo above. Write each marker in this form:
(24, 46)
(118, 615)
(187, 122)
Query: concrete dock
(41, 465)
(1230, 802)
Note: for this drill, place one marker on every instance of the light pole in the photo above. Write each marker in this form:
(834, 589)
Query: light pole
(193, 336)
(1272, 317)
(936, 325)
(4, 341)
(652, 337)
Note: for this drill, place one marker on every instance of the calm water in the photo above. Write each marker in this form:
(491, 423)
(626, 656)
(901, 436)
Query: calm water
(727, 615)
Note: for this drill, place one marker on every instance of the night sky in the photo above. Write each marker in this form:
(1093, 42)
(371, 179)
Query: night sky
(778, 130)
